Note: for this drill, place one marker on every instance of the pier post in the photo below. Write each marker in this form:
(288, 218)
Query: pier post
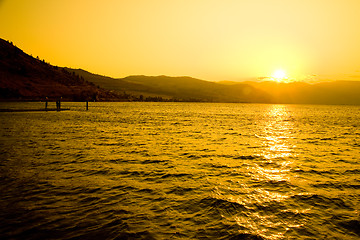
(87, 105)
(59, 104)
(46, 103)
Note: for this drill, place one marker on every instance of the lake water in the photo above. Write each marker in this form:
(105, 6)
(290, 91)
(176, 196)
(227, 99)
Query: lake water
(180, 171)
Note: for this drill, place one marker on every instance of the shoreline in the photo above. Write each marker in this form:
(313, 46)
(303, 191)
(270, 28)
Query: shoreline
(35, 110)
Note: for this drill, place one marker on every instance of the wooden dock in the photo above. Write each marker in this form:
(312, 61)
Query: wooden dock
(35, 110)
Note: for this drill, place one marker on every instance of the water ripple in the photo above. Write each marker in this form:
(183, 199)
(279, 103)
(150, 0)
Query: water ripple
(181, 171)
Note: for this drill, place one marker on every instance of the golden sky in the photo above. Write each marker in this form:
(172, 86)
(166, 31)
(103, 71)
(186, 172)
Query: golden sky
(207, 39)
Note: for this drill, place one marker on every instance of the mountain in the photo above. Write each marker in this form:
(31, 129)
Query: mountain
(336, 92)
(23, 77)
(191, 89)
(109, 83)
(177, 88)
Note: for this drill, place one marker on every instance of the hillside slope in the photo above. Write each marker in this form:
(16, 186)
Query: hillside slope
(23, 77)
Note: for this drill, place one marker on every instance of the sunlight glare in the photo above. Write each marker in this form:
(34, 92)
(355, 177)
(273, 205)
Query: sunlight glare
(279, 75)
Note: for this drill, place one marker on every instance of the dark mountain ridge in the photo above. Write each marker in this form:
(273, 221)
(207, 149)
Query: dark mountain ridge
(23, 77)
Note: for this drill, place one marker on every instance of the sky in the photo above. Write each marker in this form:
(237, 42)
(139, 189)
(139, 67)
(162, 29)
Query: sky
(215, 40)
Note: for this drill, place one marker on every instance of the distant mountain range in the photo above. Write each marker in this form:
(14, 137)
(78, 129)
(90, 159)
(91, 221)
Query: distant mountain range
(23, 77)
(191, 89)
(177, 88)
(336, 92)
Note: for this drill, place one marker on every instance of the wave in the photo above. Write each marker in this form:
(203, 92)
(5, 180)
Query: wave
(320, 201)
(352, 171)
(176, 175)
(222, 205)
(351, 225)
(318, 172)
(149, 161)
(337, 186)
(180, 190)
(280, 185)
(247, 157)
(226, 156)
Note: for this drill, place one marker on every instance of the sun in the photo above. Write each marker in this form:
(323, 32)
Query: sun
(279, 75)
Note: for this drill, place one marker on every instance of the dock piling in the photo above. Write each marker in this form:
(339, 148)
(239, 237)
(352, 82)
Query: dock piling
(46, 103)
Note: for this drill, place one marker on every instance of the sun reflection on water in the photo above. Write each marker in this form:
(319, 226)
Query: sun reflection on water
(270, 173)
(277, 132)
(277, 138)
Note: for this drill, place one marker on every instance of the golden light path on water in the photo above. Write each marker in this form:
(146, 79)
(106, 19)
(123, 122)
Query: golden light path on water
(277, 131)
(276, 135)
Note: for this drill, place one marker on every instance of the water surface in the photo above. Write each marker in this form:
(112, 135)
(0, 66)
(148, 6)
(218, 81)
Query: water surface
(180, 171)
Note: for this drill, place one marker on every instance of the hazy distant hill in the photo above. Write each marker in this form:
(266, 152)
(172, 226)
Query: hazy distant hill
(187, 88)
(178, 88)
(23, 77)
(337, 92)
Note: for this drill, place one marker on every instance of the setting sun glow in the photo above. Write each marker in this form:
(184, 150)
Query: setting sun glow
(280, 75)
